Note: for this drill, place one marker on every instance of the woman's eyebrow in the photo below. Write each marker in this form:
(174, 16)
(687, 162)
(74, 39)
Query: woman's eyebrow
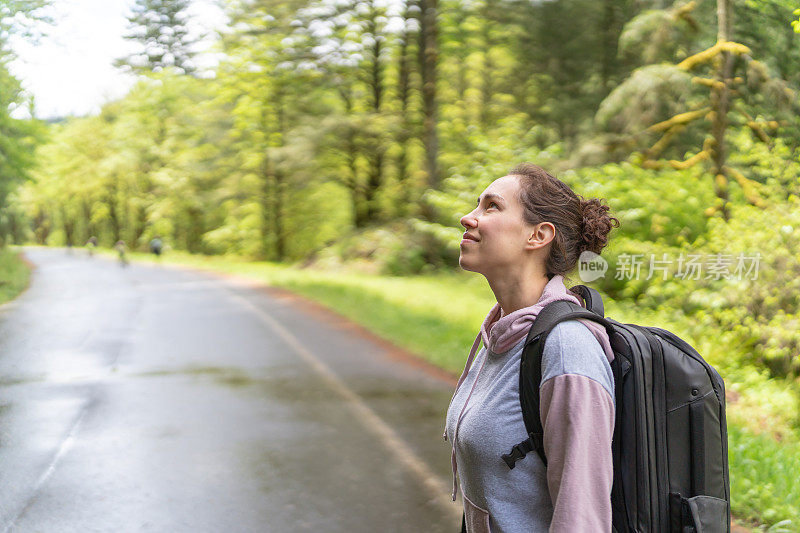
(491, 195)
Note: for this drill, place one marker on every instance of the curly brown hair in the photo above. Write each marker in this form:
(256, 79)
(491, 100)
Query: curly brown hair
(580, 224)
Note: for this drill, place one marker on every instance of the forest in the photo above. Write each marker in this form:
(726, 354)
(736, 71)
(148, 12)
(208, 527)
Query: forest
(341, 134)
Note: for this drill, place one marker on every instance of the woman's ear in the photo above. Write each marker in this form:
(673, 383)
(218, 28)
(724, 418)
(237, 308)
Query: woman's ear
(540, 236)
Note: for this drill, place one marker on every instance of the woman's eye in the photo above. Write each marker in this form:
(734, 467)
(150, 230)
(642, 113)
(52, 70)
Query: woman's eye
(492, 204)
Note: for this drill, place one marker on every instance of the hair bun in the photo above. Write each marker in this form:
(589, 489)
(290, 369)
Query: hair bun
(597, 224)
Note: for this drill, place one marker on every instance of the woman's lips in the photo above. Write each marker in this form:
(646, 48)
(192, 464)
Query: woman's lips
(468, 239)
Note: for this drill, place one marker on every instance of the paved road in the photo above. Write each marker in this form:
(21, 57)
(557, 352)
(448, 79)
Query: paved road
(155, 399)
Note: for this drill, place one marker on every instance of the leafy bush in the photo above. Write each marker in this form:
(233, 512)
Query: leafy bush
(762, 313)
(654, 206)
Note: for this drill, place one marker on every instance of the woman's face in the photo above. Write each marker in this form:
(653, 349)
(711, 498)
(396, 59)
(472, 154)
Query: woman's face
(497, 237)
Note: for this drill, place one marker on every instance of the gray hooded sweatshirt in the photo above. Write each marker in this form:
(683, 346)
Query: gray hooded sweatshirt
(573, 493)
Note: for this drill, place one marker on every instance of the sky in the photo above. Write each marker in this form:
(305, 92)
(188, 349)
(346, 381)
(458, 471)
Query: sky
(70, 70)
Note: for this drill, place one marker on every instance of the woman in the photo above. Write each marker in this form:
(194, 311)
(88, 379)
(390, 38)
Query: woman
(528, 231)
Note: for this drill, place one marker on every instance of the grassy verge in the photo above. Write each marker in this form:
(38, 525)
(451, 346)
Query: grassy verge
(14, 274)
(438, 315)
(764, 478)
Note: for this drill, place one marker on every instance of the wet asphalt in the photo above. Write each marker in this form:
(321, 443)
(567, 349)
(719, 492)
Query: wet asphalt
(159, 399)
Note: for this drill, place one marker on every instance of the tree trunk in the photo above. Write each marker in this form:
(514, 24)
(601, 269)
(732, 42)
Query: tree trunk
(428, 58)
(352, 181)
(41, 226)
(610, 37)
(140, 224)
(15, 228)
(720, 103)
(403, 90)
(278, 216)
(487, 72)
(272, 183)
(279, 224)
(86, 206)
(68, 225)
(194, 229)
(375, 178)
(113, 211)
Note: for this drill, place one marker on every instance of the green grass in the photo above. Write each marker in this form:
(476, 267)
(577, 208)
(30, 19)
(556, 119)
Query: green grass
(14, 274)
(437, 316)
(764, 482)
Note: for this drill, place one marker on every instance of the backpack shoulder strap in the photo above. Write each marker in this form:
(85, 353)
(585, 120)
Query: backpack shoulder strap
(594, 302)
(530, 373)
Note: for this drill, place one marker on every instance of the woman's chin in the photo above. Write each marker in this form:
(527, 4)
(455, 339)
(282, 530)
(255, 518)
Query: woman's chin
(465, 264)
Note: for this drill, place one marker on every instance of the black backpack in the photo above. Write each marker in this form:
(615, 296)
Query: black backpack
(670, 443)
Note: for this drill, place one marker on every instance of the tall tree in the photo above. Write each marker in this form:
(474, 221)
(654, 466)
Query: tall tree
(404, 88)
(17, 137)
(160, 28)
(268, 91)
(721, 104)
(428, 56)
(374, 41)
(686, 102)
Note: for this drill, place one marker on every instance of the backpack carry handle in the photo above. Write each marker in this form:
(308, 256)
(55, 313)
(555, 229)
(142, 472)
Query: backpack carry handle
(561, 310)
(594, 302)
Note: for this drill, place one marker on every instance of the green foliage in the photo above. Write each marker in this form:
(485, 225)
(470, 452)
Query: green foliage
(659, 35)
(654, 206)
(776, 165)
(762, 313)
(122, 174)
(767, 28)
(651, 94)
(566, 56)
(764, 479)
(14, 274)
(17, 137)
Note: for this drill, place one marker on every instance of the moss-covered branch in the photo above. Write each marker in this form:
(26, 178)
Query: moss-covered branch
(660, 145)
(681, 118)
(749, 187)
(702, 155)
(710, 53)
(708, 82)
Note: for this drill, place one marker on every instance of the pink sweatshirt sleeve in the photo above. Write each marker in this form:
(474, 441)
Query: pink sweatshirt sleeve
(577, 415)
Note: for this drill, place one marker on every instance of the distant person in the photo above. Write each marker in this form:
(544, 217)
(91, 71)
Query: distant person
(121, 248)
(526, 233)
(91, 244)
(156, 246)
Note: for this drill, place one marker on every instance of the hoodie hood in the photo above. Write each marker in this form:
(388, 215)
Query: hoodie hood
(501, 332)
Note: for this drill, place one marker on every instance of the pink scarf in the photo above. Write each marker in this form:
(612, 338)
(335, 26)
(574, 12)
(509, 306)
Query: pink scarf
(501, 332)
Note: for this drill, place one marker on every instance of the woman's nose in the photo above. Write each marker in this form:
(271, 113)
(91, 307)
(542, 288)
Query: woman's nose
(469, 221)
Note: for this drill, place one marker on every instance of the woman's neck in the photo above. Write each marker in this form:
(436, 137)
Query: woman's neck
(517, 292)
